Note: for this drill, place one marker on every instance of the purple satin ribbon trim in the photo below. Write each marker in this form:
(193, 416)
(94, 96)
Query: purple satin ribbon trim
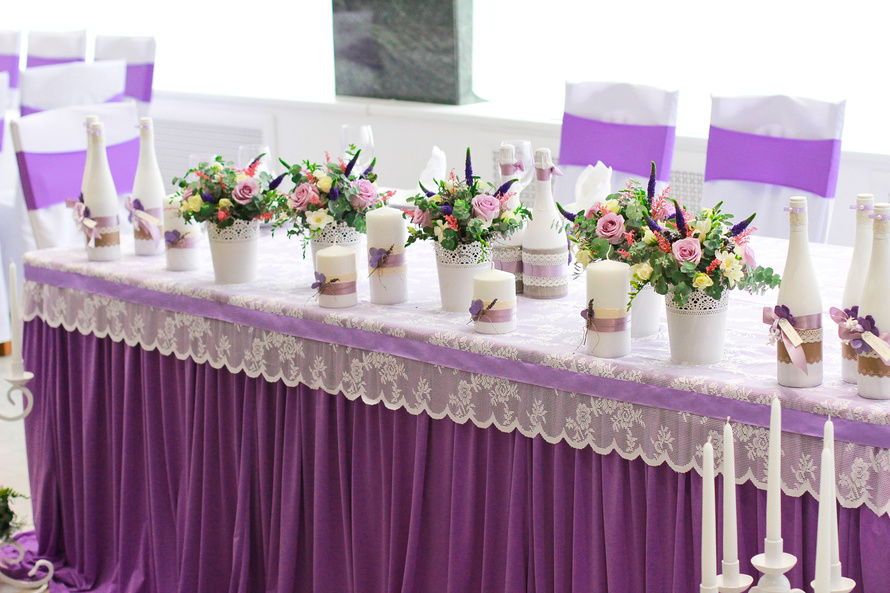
(809, 165)
(10, 63)
(184, 243)
(545, 174)
(107, 221)
(627, 148)
(498, 315)
(139, 81)
(338, 288)
(509, 169)
(542, 271)
(514, 267)
(678, 400)
(49, 178)
(28, 110)
(37, 61)
(609, 326)
(394, 260)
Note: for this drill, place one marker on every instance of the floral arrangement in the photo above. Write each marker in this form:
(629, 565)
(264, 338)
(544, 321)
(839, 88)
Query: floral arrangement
(667, 247)
(8, 523)
(330, 193)
(222, 193)
(462, 211)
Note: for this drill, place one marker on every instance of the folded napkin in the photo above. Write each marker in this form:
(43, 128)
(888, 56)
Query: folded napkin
(434, 170)
(593, 185)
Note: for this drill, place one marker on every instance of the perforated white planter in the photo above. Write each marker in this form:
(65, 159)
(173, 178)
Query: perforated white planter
(456, 270)
(696, 330)
(235, 251)
(337, 234)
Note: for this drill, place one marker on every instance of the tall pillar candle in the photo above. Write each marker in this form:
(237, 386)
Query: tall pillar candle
(387, 266)
(874, 358)
(494, 302)
(148, 195)
(865, 204)
(336, 277)
(773, 549)
(181, 238)
(708, 522)
(15, 315)
(608, 286)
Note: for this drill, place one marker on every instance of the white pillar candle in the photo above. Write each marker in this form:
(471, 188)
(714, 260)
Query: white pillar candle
(730, 531)
(608, 284)
(708, 522)
(822, 584)
(497, 287)
(15, 315)
(774, 485)
(337, 289)
(387, 231)
(181, 238)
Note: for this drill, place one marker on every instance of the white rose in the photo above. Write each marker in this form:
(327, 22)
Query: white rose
(642, 271)
(649, 237)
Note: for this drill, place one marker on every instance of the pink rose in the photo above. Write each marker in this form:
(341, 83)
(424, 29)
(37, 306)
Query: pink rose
(246, 191)
(688, 249)
(611, 228)
(302, 196)
(421, 218)
(486, 207)
(365, 195)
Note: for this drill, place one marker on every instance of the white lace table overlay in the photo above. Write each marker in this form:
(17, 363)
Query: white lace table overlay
(549, 335)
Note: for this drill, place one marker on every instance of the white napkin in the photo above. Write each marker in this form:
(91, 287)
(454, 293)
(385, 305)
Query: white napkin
(594, 184)
(434, 169)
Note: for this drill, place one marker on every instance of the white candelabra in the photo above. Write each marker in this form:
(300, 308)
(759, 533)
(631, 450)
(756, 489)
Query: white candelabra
(774, 562)
(18, 380)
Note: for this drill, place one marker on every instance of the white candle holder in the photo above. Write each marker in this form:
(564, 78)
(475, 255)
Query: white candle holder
(731, 580)
(7, 563)
(774, 563)
(839, 584)
(19, 382)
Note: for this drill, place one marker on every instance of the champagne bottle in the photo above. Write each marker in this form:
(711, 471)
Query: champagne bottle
(100, 198)
(507, 251)
(874, 373)
(856, 278)
(545, 250)
(90, 119)
(148, 193)
(799, 292)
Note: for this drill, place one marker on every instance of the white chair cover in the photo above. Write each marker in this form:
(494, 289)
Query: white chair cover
(4, 105)
(51, 152)
(46, 48)
(78, 83)
(764, 149)
(10, 50)
(139, 54)
(625, 126)
(4, 305)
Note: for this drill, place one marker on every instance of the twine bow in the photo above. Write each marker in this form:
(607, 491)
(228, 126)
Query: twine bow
(783, 324)
(83, 221)
(142, 220)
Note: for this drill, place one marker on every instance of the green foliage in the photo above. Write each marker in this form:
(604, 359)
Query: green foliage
(8, 523)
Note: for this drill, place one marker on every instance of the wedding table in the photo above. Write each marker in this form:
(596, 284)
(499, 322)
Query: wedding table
(189, 436)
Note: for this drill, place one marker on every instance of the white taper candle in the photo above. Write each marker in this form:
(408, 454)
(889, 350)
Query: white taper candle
(774, 477)
(708, 520)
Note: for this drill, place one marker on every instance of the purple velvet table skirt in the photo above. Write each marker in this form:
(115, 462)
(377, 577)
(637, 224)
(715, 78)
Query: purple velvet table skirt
(155, 474)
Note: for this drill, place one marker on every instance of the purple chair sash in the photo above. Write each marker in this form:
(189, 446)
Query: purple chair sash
(37, 61)
(49, 178)
(627, 148)
(139, 80)
(809, 165)
(10, 63)
(28, 110)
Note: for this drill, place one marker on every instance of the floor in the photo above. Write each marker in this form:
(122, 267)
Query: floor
(14, 465)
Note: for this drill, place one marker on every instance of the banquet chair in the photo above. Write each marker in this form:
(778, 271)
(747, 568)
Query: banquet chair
(64, 85)
(4, 104)
(51, 152)
(10, 48)
(139, 54)
(46, 48)
(625, 126)
(764, 149)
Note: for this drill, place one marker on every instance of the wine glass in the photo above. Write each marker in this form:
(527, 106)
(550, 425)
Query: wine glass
(526, 156)
(247, 153)
(362, 139)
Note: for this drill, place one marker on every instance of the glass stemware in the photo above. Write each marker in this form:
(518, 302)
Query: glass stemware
(362, 139)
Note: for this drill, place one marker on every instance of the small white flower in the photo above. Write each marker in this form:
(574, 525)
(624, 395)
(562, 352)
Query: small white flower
(439, 229)
(649, 237)
(853, 324)
(318, 219)
(703, 227)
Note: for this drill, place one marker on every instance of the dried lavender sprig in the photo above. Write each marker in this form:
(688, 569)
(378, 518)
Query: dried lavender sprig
(739, 228)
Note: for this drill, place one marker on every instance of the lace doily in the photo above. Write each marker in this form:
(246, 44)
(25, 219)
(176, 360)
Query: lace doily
(466, 254)
(242, 230)
(337, 234)
(699, 304)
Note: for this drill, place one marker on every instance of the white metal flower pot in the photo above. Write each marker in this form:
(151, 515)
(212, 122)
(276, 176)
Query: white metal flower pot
(456, 270)
(235, 251)
(696, 330)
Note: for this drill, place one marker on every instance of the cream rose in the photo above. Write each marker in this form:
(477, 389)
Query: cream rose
(323, 183)
(702, 280)
(642, 271)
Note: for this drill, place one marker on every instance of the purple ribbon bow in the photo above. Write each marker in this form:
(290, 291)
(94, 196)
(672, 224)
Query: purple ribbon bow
(134, 207)
(510, 168)
(859, 343)
(840, 317)
(83, 221)
(545, 174)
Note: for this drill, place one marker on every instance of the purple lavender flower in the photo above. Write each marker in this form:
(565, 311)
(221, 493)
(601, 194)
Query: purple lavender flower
(370, 168)
(208, 198)
(650, 191)
(566, 214)
(446, 209)
(740, 227)
(428, 193)
(352, 162)
(277, 181)
(469, 169)
(334, 193)
(653, 226)
(504, 188)
(681, 220)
